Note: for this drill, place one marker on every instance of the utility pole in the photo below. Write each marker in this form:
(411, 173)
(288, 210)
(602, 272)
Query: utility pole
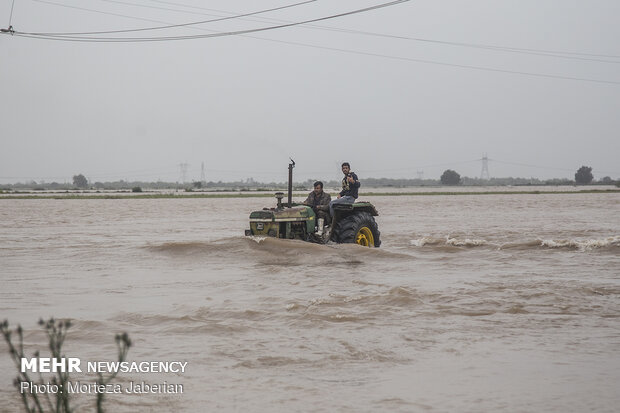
(484, 174)
(203, 178)
(183, 168)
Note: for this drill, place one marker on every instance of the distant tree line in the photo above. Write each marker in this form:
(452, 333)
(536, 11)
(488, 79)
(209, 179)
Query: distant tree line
(583, 176)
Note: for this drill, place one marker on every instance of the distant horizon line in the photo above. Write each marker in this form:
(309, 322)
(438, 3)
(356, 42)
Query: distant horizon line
(250, 182)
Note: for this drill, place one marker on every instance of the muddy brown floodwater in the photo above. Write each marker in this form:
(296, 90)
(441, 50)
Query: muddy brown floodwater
(502, 303)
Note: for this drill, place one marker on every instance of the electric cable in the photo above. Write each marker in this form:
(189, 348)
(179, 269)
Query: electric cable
(545, 167)
(541, 52)
(244, 34)
(529, 166)
(435, 62)
(534, 52)
(424, 166)
(538, 52)
(11, 15)
(200, 36)
(159, 27)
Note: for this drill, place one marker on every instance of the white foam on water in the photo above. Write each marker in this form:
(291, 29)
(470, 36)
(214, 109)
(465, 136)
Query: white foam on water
(582, 245)
(467, 242)
(422, 241)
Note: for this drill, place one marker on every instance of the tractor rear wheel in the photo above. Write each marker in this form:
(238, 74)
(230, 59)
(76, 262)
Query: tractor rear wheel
(359, 228)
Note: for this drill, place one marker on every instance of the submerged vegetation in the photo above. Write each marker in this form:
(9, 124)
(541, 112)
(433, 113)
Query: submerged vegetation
(60, 401)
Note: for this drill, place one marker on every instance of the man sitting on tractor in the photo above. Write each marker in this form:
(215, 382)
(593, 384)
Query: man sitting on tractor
(350, 185)
(319, 201)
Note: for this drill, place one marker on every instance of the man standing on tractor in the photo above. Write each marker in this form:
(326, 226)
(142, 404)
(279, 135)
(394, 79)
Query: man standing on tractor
(319, 201)
(350, 185)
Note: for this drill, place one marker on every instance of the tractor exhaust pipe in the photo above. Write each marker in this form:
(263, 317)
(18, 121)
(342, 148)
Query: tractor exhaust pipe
(290, 182)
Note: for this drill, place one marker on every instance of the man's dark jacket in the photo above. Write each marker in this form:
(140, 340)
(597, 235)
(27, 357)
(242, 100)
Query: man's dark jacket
(349, 188)
(320, 202)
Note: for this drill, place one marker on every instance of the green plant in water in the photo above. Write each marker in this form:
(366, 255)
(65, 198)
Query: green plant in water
(122, 343)
(56, 331)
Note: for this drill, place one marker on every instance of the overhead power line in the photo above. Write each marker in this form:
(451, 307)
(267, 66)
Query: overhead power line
(492, 47)
(417, 167)
(242, 33)
(237, 16)
(80, 38)
(559, 54)
(11, 15)
(435, 62)
(530, 166)
(506, 49)
(531, 51)
(546, 167)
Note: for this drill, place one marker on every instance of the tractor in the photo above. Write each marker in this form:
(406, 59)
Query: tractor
(351, 223)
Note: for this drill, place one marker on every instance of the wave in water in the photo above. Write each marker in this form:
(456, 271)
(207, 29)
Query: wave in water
(184, 248)
(609, 243)
(582, 245)
(273, 251)
(449, 241)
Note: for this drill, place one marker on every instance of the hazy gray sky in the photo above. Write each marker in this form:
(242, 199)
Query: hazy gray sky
(244, 104)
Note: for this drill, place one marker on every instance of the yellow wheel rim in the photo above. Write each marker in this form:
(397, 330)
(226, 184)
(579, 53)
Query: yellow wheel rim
(364, 237)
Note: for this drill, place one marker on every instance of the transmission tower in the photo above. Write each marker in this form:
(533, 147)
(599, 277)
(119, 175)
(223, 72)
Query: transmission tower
(203, 178)
(420, 174)
(183, 168)
(484, 174)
